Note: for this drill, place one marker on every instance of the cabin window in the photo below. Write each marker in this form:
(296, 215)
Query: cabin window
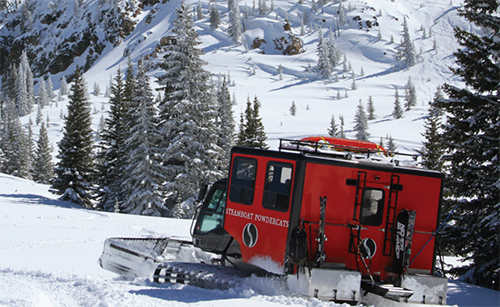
(212, 213)
(372, 207)
(277, 186)
(243, 180)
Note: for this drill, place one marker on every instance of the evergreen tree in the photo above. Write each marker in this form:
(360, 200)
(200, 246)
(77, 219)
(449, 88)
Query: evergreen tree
(342, 133)
(63, 90)
(225, 122)
(432, 150)
(49, 88)
(324, 66)
(408, 50)
(187, 115)
(14, 144)
(471, 139)
(398, 112)
(144, 172)
(199, 11)
(371, 108)
(75, 169)
(410, 95)
(361, 123)
(333, 129)
(252, 132)
(25, 68)
(391, 146)
(112, 155)
(293, 109)
(21, 93)
(234, 29)
(215, 20)
(43, 168)
(43, 98)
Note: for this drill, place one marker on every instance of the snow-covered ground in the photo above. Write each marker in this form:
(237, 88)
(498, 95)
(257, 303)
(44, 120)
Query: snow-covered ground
(49, 251)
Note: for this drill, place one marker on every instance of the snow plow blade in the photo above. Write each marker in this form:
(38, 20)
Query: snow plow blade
(139, 257)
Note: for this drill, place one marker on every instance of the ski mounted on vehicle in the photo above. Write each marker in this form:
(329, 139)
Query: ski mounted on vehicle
(340, 214)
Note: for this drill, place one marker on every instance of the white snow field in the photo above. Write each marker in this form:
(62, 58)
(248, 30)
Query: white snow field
(49, 251)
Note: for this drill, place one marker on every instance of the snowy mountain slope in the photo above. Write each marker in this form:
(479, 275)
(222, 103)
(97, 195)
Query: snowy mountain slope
(49, 251)
(256, 74)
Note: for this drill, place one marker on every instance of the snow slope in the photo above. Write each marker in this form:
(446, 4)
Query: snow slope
(49, 251)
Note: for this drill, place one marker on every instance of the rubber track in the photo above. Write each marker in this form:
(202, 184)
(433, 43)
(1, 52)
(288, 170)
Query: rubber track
(200, 275)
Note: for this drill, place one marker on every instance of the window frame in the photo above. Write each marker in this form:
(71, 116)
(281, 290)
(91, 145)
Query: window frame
(276, 193)
(238, 192)
(377, 218)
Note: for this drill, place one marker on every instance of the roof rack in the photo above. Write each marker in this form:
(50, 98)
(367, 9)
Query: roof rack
(346, 149)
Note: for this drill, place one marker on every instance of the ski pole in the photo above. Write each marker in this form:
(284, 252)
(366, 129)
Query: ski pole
(433, 234)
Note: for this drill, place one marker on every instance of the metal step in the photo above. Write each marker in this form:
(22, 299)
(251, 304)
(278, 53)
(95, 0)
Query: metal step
(387, 290)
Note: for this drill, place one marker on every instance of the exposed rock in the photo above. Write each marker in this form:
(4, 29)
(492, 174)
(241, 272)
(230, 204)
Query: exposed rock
(289, 44)
(257, 42)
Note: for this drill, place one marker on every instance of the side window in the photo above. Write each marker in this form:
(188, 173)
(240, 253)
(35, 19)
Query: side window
(372, 207)
(243, 180)
(277, 186)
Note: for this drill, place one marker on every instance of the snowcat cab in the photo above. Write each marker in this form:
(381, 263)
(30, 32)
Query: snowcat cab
(343, 215)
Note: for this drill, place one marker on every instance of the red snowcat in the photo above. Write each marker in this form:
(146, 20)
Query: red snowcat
(337, 219)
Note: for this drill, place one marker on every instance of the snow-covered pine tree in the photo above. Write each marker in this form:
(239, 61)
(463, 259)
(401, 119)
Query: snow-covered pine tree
(293, 109)
(63, 89)
(43, 168)
(324, 66)
(410, 95)
(25, 67)
(234, 28)
(22, 101)
(408, 50)
(252, 133)
(14, 144)
(97, 90)
(215, 20)
(432, 150)
(371, 108)
(225, 122)
(333, 129)
(471, 138)
(398, 111)
(43, 98)
(342, 133)
(199, 11)
(74, 173)
(391, 146)
(144, 172)
(111, 156)
(49, 88)
(361, 123)
(187, 115)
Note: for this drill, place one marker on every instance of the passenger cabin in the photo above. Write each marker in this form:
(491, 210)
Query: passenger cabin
(310, 204)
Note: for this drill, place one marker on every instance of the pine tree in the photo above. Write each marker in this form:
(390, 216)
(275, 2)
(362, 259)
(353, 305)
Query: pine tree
(371, 108)
(293, 109)
(408, 49)
(75, 169)
(187, 115)
(398, 112)
(28, 75)
(144, 172)
(63, 89)
(234, 29)
(112, 155)
(361, 123)
(432, 150)
(215, 20)
(43, 98)
(410, 95)
(471, 139)
(391, 146)
(342, 133)
(14, 144)
(252, 132)
(333, 129)
(43, 168)
(225, 123)
(324, 66)
(49, 88)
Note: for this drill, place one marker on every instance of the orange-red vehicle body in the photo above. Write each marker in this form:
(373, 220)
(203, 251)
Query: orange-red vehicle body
(271, 193)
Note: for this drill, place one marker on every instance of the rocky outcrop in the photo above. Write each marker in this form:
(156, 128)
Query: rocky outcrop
(289, 44)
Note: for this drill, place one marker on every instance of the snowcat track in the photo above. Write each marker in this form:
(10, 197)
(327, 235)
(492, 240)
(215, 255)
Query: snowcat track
(200, 275)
